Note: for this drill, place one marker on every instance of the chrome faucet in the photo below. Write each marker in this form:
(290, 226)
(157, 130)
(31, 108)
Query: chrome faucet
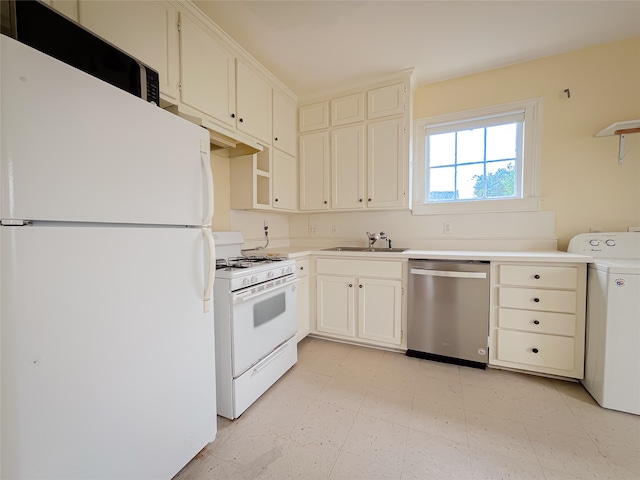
(374, 237)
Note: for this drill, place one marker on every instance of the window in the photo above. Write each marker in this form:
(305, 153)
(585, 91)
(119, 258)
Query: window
(481, 160)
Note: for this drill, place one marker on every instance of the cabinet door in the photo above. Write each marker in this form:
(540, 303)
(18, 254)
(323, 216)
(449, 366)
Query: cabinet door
(302, 298)
(347, 167)
(314, 117)
(66, 7)
(284, 122)
(385, 101)
(385, 186)
(207, 72)
(314, 171)
(146, 30)
(283, 178)
(253, 102)
(335, 299)
(349, 109)
(380, 310)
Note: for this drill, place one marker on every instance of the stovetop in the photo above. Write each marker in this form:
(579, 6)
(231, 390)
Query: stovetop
(245, 262)
(235, 270)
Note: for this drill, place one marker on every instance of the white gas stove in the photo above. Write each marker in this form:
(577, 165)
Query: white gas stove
(255, 322)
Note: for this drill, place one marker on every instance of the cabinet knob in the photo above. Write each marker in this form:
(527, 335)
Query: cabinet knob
(534, 350)
(360, 200)
(233, 115)
(537, 277)
(241, 120)
(360, 286)
(276, 199)
(536, 299)
(369, 199)
(536, 322)
(350, 285)
(301, 268)
(325, 202)
(276, 139)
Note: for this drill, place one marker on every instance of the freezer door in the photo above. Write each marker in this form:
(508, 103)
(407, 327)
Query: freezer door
(107, 359)
(75, 148)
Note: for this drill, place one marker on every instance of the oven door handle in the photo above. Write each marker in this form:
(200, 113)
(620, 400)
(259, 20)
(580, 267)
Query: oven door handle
(244, 296)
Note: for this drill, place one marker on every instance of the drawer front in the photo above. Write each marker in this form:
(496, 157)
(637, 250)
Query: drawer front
(249, 386)
(535, 349)
(357, 268)
(536, 299)
(538, 322)
(302, 267)
(537, 276)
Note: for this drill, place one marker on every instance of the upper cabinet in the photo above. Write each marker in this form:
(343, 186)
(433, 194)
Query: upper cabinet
(253, 103)
(348, 168)
(386, 159)
(369, 146)
(284, 122)
(284, 181)
(314, 117)
(66, 7)
(349, 109)
(146, 30)
(314, 171)
(386, 101)
(207, 72)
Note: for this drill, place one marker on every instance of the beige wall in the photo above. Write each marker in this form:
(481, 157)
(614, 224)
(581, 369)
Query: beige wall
(221, 190)
(581, 179)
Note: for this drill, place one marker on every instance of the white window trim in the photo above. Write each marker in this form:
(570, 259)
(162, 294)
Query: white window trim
(532, 152)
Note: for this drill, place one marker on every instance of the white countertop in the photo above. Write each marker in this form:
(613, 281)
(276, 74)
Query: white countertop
(494, 256)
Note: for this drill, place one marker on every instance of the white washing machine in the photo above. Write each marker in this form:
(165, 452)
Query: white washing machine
(612, 363)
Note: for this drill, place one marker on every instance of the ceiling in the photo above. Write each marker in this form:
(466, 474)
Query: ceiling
(322, 46)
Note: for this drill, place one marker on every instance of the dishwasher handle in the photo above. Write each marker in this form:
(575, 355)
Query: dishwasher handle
(446, 273)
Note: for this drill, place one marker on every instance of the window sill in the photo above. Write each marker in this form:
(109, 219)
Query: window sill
(480, 206)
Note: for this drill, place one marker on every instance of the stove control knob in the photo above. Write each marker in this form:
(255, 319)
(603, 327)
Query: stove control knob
(269, 274)
(245, 282)
(289, 269)
(610, 242)
(254, 279)
(594, 242)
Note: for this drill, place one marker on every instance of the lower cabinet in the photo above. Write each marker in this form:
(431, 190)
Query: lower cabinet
(538, 318)
(302, 297)
(361, 300)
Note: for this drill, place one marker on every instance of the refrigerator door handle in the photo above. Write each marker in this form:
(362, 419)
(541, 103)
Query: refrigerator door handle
(208, 292)
(208, 214)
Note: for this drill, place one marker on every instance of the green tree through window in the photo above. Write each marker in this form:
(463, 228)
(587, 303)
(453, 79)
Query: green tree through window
(500, 183)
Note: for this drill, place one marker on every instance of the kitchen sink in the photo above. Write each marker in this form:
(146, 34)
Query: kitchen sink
(363, 249)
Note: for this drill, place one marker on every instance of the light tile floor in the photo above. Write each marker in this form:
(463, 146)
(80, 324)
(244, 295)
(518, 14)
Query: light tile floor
(347, 412)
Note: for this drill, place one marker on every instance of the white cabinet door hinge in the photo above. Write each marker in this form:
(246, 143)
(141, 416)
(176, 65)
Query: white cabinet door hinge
(178, 26)
(405, 88)
(180, 86)
(405, 130)
(401, 290)
(401, 335)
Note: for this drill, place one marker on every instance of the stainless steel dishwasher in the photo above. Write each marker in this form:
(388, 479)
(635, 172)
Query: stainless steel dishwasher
(448, 311)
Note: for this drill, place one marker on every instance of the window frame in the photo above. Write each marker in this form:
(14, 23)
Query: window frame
(530, 168)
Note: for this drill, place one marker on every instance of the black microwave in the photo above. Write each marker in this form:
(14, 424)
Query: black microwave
(41, 27)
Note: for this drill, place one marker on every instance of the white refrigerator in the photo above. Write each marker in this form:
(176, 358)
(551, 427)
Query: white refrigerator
(106, 275)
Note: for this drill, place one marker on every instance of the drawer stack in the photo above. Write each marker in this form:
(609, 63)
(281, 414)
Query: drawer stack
(538, 318)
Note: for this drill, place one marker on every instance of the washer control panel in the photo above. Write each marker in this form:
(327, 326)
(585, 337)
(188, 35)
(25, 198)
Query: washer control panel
(607, 244)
